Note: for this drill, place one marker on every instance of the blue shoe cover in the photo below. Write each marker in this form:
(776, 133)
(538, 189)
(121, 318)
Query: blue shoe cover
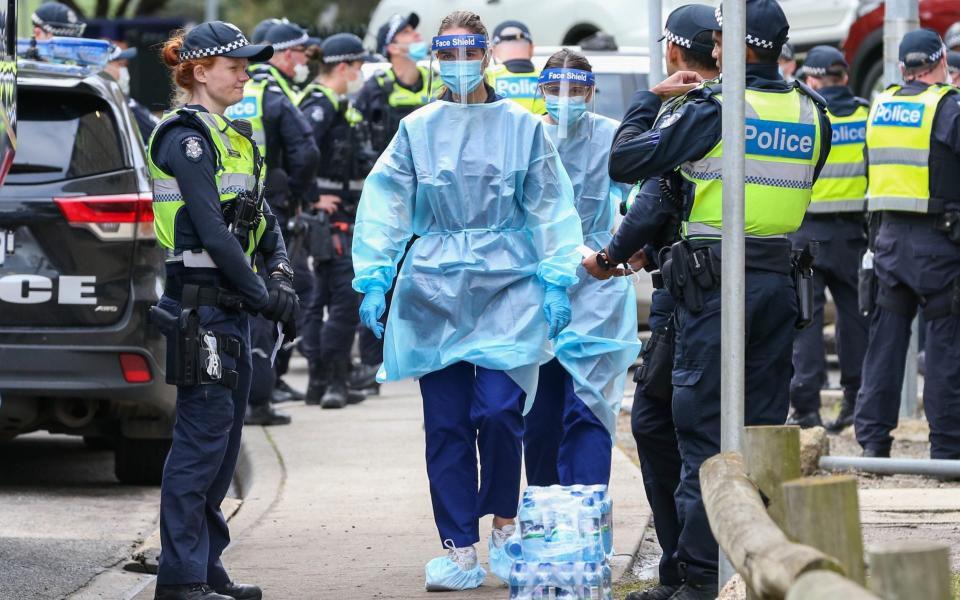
(444, 575)
(501, 563)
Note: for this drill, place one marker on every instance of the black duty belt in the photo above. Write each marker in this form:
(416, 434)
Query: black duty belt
(193, 295)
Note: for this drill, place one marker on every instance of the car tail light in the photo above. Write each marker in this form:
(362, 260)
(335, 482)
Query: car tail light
(135, 368)
(115, 217)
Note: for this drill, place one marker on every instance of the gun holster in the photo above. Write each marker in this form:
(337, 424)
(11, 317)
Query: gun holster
(319, 238)
(866, 289)
(802, 268)
(689, 272)
(655, 373)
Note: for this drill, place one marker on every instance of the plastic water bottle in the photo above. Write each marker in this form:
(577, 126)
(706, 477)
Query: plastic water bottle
(563, 535)
(532, 536)
(591, 582)
(606, 578)
(543, 582)
(601, 496)
(521, 587)
(590, 531)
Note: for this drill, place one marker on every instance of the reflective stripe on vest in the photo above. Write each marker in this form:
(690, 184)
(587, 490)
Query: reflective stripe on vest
(898, 149)
(402, 97)
(842, 185)
(519, 87)
(236, 161)
(783, 145)
(250, 108)
(352, 115)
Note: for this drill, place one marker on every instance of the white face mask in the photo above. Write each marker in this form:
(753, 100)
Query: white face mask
(124, 81)
(301, 73)
(354, 85)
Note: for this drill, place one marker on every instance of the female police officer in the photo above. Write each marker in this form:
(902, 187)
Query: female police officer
(482, 287)
(210, 216)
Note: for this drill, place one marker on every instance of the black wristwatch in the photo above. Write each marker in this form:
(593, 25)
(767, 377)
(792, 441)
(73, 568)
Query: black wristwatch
(603, 261)
(283, 269)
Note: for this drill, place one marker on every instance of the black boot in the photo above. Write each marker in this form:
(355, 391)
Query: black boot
(876, 452)
(265, 415)
(363, 376)
(240, 591)
(696, 591)
(660, 592)
(317, 384)
(845, 418)
(283, 386)
(805, 420)
(193, 591)
(336, 395)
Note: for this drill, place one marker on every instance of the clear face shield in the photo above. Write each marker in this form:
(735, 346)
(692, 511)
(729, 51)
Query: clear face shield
(568, 95)
(459, 61)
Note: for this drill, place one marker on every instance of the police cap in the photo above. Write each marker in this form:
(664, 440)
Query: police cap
(921, 48)
(58, 19)
(509, 31)
(260, 30)
(343, 47)
(286, 35)
(952, 37)
(825, 60)
(953, 60)
(767, 26)
(216, 38)
(686, 23)
(391, 28)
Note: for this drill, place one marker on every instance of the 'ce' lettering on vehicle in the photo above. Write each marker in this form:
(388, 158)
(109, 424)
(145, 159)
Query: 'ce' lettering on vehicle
(37, 289)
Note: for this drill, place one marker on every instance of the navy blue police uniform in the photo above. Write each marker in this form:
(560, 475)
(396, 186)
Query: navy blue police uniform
(917, 264)
(210, 289)
(640, 152)
(835, 229)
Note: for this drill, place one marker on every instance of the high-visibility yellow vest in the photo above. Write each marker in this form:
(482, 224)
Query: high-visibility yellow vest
(236, 161)
(250, 108)
(401, 97)
(842, 185)
(783, 137)
(519, 87)
(898, 150)
(352, 115)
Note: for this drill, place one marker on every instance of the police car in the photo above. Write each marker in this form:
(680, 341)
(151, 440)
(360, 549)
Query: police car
(79, 267)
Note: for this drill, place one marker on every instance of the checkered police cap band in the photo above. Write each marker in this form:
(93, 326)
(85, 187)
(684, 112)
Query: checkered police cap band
(751, 39)
(61, 29)
(919, 59)
(291, 43)
(395, 22)
(240, 42)
(678, 40)
(345, 57)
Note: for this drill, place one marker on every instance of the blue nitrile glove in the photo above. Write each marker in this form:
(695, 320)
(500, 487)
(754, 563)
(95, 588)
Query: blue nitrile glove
(556, 307)
(371, 309)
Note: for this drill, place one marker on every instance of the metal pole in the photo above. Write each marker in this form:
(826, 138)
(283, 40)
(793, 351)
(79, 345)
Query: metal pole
(654, 31)
(212, 12)
(937, 467)
(902, 16)
(732, 277)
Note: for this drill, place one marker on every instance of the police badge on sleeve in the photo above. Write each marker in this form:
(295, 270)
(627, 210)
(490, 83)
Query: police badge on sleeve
(192, 148)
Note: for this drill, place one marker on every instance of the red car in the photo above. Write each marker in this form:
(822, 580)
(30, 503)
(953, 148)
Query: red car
(864, 44)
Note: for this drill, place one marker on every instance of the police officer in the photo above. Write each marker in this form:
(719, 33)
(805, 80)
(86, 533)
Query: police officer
(514, 75)
(346, 158)
(56, 19)
(952, 37)
(787, 62)
(285, 139)
(953, 67)
(913, 153)
(834, 228)
(209, 214)
(117, 68)
(652, 223)
(390, 95)
(778, 183)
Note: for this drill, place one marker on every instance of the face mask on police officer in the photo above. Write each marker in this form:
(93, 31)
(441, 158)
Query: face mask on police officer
(301, 73)
(356, 84)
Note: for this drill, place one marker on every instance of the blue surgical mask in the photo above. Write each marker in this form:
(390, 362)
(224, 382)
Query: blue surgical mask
(417, 51)
(576, 106)
(460, 75)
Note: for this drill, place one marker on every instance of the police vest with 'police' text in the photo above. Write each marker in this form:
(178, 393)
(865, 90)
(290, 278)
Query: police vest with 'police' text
(783, 146)
(519, 87)
(842, 185)
(898, 150)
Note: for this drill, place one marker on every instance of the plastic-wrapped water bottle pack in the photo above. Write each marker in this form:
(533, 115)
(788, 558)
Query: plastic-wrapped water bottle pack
(566, 536)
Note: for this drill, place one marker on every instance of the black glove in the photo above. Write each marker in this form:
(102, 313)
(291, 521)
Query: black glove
(282, 302)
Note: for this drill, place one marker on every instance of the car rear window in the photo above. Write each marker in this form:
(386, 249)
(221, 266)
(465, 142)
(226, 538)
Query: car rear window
(614, 91)
(71, 135)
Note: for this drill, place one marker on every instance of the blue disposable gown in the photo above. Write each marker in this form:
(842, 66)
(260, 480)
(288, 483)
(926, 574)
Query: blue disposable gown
(483, 188)
(601, 341)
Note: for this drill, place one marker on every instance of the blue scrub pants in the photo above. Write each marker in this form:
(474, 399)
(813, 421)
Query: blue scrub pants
(466, 408)
(652, 424)
(201, 462)
(771, 311)
(563, 441)
(924, 261)
(841, 243)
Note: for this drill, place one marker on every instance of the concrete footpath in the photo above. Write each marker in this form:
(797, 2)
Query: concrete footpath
(338, 505)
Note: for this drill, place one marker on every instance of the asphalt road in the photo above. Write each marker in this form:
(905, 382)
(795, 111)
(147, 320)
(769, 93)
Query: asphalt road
(63, 516)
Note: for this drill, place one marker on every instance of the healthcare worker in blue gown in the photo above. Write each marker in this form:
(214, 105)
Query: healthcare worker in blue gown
(568, 436)
(482, 288)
